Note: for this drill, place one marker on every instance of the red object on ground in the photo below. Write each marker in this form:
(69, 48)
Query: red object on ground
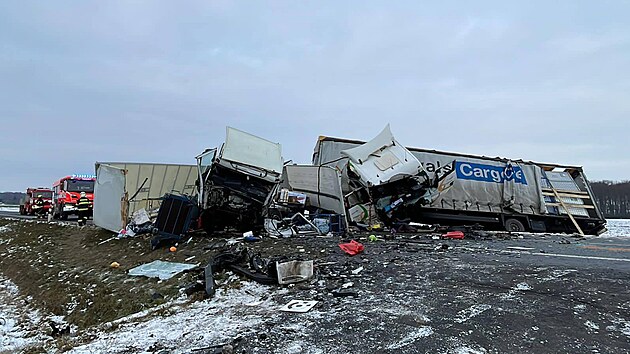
(454, 234)
(352, 248)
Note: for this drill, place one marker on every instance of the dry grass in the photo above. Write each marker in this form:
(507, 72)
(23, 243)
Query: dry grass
(67, 272)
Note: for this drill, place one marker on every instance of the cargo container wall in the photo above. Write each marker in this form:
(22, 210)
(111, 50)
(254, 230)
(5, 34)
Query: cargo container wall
(144, 185)
(494, 189)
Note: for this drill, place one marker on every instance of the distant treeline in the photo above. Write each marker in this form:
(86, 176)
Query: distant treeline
(11, 197)
(613, 198)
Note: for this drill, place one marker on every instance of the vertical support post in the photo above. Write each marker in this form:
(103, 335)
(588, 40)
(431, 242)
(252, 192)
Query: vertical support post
(568, 212)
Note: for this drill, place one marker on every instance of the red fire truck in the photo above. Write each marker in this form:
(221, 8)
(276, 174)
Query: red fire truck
(26, 207)
(67, 191)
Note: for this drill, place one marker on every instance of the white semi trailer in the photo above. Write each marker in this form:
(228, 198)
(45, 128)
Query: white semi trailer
(515, 195)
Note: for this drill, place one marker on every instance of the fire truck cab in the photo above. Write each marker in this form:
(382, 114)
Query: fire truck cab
(67, 191)
(26, 207)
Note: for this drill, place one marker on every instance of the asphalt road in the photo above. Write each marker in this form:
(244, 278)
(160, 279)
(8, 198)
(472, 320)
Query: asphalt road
(16, 215)
(536, 294)
(505, 293)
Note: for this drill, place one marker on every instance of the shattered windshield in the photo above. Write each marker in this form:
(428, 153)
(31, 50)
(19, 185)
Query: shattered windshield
(74, 185)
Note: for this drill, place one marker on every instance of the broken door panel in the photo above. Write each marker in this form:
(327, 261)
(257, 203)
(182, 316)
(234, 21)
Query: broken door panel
(252, 155)
(109, 197)
(321, 184)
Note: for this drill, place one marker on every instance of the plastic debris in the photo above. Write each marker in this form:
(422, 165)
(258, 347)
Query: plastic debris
(352, 248)
(160, 269)
(458, 235)
(299, 306)
(357, 271)
(294, 271)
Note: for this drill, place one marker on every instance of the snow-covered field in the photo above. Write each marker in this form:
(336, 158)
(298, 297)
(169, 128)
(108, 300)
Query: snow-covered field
(20, 325)
(208, 323)
(231, 313)
(617, 228)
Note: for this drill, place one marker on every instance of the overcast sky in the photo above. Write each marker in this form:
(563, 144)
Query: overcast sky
(151, 81)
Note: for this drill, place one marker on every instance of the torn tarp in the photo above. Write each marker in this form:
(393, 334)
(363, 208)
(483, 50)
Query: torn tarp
(160, 269)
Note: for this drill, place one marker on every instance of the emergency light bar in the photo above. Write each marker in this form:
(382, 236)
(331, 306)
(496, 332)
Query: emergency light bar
(83, 176)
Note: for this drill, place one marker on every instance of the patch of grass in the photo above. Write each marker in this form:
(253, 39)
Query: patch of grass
(66, 271)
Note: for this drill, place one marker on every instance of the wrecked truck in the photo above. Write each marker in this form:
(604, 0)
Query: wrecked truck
(383, 178)
(307, 200)
(235, 179)
(463, 189)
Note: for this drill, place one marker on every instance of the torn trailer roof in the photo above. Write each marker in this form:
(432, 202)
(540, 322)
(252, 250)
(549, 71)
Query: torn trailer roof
(516, 194)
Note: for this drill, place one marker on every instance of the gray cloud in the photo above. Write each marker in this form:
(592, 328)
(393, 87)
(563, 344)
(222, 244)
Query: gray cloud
(159, 81)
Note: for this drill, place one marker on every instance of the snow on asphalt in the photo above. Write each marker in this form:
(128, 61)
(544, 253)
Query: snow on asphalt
(213, 322)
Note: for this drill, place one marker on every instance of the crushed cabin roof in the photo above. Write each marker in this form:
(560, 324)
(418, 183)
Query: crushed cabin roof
(497, 158)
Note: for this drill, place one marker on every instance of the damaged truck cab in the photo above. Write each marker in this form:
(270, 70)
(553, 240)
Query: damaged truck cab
(234, 181)
(384, 176)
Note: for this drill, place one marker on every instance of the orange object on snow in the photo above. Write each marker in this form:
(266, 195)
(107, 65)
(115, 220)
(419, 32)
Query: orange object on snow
(173, 249)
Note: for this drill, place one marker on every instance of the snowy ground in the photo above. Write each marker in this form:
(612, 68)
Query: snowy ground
(8, 209)
(204, 324)
(20, 325)
(476, 296)
(617, 228)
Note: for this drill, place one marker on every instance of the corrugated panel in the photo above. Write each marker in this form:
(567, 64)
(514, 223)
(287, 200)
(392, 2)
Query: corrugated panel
(560, 181)
(160, 179)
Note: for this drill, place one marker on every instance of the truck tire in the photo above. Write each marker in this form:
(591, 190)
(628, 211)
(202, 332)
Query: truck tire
(513, 225)
(22, 212)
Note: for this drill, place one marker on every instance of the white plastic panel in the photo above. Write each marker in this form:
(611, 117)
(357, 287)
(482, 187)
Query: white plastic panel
(382, 160)
(242, 148)
(109, 190)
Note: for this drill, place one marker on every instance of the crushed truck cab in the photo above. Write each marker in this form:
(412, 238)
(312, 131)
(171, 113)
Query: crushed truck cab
(235, 181)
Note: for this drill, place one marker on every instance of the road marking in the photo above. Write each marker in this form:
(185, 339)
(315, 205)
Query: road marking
(613, 249)
(583, 257)
(547, 254)
(608, 244)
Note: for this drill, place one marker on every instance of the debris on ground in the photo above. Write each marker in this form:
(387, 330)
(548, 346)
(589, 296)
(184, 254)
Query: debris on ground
(299, 306)
(160, 269)
(352, 248)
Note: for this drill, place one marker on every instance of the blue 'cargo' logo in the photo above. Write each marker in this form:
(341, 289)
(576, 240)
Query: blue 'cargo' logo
(489, 173)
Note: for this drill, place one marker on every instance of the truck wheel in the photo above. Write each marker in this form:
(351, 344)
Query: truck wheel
(63, 216)
(22, 212)
(513, 225)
